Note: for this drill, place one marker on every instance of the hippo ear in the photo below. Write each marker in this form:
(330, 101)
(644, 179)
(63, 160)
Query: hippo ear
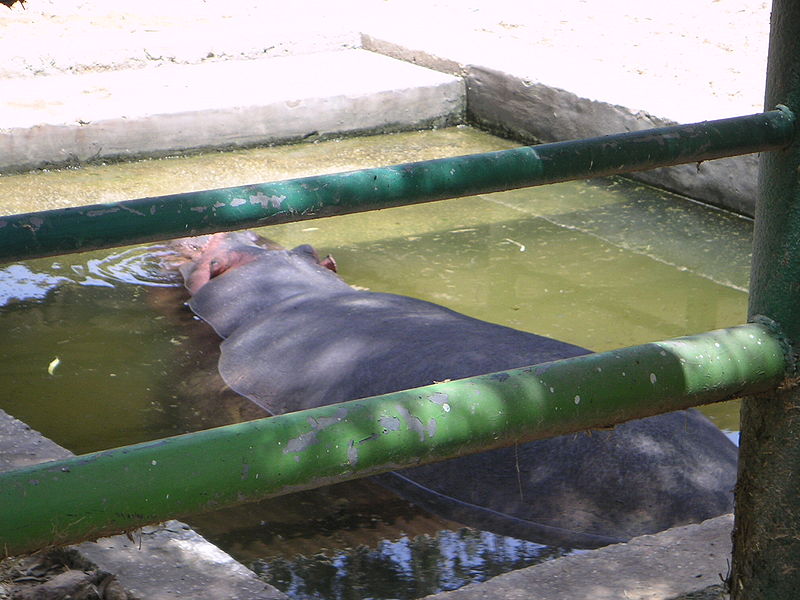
(329, 263)
(308, 252)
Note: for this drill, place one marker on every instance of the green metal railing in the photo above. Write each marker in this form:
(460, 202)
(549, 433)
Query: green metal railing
(106, 225)
(68, 500)
(105, 492)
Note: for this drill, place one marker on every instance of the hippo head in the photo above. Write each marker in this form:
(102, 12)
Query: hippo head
(203, 258)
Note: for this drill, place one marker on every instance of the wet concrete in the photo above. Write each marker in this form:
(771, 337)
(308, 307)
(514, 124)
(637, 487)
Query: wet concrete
(160, 563)
(673, 564)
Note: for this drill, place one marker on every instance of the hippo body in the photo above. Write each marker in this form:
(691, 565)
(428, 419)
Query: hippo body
(296, 336)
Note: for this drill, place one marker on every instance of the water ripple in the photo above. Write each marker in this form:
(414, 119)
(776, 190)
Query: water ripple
(143, 265)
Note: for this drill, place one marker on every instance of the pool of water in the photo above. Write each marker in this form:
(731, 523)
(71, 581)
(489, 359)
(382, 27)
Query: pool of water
(99, 351)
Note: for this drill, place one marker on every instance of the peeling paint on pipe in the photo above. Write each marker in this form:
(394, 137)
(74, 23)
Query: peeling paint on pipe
(88, 496)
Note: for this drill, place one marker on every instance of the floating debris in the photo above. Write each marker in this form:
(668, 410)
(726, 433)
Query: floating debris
(51, 368)
(510, 241)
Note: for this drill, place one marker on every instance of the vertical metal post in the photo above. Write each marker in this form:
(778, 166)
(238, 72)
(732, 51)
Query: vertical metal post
(766, 556)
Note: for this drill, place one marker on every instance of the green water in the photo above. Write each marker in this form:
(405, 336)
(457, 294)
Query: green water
(601, 264)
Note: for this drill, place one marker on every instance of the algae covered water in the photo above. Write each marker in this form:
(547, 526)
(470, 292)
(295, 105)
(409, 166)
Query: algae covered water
(99, 351)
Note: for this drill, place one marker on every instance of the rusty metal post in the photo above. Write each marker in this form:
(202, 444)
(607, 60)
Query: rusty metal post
(766, 557)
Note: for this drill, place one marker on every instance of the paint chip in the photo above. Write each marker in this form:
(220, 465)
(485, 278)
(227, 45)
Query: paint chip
(412, 421)
(267, 201)
(440, 399)
(301, 442)
(389, 424)
(352, 454)
(432, 428)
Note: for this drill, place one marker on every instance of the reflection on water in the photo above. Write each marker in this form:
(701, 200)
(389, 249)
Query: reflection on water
(19, 282)
(404, 568)
(358, 540)
(599, 264)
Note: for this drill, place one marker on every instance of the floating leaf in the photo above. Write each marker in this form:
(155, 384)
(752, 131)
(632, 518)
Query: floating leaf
(51, 368)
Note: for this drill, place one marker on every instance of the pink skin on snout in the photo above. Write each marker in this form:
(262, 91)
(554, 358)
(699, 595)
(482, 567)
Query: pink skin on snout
(218, 256)
(210, 256)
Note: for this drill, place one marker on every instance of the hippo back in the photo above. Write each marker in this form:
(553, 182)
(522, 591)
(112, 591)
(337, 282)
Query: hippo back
(323, 348)
(298, 337)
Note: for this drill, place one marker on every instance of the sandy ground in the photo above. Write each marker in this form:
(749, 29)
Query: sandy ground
(688, 51)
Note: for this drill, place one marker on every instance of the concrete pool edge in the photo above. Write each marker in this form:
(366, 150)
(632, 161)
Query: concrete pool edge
(68, 120)
(160, 563)
(685, 562)
(506, 102)
(341, 95)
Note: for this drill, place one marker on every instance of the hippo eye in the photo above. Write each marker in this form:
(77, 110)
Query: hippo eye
(214, 268)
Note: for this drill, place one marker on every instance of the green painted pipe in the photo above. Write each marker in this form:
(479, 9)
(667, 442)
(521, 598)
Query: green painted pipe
(86, 496)
(113, 224)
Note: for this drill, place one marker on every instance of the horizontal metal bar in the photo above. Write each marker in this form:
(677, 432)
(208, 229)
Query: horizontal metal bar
(113, 224)
(84, 497)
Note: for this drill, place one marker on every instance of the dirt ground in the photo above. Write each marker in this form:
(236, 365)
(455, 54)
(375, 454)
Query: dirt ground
(56, 575)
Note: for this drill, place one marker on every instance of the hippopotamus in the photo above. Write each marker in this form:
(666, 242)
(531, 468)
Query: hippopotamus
(296, 336)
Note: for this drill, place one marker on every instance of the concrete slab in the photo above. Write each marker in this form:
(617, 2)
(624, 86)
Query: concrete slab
(542, 74)
(195, 568)
(687, 61)
(145, 112)
(510, 104)
(160, 563)
(675, 563)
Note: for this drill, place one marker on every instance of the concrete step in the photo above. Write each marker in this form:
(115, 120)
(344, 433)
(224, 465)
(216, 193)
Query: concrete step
(69, 119)
(677, 564)
(165, 562)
